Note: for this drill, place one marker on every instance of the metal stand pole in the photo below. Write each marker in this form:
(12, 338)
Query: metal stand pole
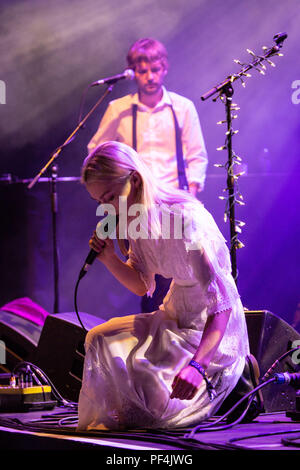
(228, 91)
(54, 198)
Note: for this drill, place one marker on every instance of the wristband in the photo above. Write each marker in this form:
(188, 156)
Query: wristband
(210, 388)
(199, 368)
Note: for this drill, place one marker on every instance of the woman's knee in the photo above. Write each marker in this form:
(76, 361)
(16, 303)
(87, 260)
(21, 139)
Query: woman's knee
(100, 330)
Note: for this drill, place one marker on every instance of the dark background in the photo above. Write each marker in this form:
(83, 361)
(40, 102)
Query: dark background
(52, 50)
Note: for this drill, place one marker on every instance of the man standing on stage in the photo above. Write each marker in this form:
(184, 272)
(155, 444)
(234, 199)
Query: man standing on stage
(162, 126)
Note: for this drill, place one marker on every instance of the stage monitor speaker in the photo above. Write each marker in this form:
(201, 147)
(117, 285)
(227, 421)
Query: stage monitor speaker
(270, 337)
(19, 337)
(60, 351)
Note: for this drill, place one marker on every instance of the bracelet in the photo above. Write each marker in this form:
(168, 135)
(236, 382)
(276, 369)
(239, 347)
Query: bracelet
(210, 388)
(198, 367)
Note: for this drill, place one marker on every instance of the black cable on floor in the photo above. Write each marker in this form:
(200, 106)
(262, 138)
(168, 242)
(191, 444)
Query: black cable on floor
(178, 443)
(209, 427)
(291, 442)
(254, 436)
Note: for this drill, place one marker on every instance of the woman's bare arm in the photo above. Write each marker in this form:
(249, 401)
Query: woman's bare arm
(124, 273)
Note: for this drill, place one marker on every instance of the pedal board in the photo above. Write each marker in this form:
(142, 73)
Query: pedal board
(20, 399)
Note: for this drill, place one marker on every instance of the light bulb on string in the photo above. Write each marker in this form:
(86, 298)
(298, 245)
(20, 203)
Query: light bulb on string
(241, 203)
(271, 63)
(250, 52)
(239, 244)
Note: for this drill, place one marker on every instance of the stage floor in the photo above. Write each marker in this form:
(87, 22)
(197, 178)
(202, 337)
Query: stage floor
(56, 430)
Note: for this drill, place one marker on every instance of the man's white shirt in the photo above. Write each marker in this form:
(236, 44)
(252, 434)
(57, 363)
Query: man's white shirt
(155, 131)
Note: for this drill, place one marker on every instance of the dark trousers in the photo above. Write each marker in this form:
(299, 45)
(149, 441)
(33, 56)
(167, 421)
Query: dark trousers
(150, 304)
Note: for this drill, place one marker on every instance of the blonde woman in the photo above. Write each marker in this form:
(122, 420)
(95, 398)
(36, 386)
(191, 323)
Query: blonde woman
(175, 366)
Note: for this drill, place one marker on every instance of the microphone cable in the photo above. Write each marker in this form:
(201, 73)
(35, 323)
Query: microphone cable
(75, 304)
(269, 377)
(110, 219)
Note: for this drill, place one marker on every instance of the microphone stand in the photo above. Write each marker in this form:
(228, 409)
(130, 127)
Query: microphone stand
(225, 92)
(228, 91)
(54, 197)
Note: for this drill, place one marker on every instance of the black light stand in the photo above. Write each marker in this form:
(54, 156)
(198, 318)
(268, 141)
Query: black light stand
(225, 91)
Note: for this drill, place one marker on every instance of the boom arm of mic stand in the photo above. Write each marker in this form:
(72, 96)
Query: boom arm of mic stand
(216, 89)
(278, 38)
(70, 138)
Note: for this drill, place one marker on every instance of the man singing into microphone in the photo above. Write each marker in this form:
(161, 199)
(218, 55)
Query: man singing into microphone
(162, 126)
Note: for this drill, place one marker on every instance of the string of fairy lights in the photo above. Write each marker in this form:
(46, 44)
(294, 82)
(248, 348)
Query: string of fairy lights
(232, 195)
(237, 197)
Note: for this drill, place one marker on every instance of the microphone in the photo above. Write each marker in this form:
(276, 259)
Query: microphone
(128, 74)
(105, 227)
(279, 38)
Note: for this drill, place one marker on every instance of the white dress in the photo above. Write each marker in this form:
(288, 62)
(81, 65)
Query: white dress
(131, 361)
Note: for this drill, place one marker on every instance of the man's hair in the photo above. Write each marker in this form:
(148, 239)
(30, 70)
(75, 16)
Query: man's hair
(148, 50)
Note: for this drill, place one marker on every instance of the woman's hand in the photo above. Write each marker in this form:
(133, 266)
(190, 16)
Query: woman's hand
(186, 383)
(105, 248)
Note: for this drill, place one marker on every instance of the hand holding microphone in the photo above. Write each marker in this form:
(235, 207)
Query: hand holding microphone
(102, 246)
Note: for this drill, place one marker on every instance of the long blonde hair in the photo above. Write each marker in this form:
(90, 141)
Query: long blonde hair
(113, 162)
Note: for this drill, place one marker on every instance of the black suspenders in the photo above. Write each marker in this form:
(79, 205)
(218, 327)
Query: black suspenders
(182, 180)
(134, 116)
